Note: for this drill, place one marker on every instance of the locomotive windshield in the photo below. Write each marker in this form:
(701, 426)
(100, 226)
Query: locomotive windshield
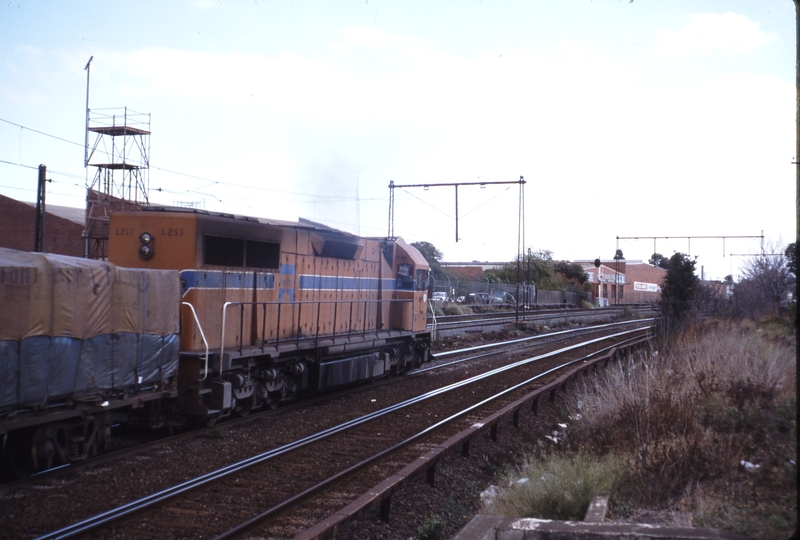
(422, 280)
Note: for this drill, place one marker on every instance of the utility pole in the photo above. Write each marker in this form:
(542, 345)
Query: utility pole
(38, 232)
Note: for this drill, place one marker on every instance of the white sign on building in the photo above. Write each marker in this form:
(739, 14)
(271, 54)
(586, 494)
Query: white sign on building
(645, 287)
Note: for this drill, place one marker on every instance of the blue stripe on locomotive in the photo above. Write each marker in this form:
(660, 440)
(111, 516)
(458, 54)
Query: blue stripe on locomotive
(311, 282)
(216, 279)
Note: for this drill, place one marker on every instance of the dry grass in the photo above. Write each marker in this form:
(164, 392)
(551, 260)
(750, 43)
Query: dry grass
(683, 420)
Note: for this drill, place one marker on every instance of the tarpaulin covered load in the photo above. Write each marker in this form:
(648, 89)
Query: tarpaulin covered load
(146, 323)
(73, 327)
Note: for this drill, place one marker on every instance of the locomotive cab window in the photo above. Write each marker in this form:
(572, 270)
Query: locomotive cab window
(222, 251)
(405, 277)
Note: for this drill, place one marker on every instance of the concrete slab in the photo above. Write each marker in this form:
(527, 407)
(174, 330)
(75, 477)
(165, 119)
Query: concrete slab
(484, 527)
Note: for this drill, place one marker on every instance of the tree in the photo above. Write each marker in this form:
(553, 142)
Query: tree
(433, 256)
(659, 260)
(679, 290)
(490, 277)
(572, 271)
(767, 280)
(534, 267)
(791, 258)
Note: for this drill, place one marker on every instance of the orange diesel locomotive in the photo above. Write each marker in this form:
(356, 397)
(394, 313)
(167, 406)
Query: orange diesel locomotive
(268, 310)
(284, 308)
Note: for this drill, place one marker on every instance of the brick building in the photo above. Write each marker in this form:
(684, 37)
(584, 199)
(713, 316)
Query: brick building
(63, 227)
(608, 283)
(644, 282)
(470, 271)
(638, 282)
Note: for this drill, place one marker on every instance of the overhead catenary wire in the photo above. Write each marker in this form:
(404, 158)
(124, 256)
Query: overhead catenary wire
(312, 197)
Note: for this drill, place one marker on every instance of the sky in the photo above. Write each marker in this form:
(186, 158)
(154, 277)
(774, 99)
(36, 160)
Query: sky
(630, 119)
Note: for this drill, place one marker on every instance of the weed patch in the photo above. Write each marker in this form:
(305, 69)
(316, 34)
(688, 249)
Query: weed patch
(708, 425)
(559, 486)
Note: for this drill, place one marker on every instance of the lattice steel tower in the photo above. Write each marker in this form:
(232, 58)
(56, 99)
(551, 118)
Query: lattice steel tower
(121, 154)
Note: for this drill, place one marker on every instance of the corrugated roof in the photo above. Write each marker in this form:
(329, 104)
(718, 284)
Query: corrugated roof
(75, 215)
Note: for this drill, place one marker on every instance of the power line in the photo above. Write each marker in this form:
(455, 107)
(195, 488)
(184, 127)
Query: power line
(187, 175)
(60, 173)
(40, 132)
(18, 164)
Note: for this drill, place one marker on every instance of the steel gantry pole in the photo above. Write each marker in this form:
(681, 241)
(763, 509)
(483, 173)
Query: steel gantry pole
(391, 208)
(392, 187)
(689, 239)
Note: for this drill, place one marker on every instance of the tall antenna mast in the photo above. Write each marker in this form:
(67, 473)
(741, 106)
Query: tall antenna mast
(86, 142)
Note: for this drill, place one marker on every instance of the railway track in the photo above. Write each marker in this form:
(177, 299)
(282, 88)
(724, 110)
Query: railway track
(130, 445)
(297, 460)
(447, 324)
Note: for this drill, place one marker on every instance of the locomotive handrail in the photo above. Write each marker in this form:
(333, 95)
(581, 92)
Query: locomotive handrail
(202, 336)
(299, 304)
(433, 318)
(222, 338)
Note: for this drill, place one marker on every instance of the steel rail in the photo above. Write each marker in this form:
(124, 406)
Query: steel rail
(538, 313)
(578, 332)
(132, 507)
(55, 471)
(496, 321)
(540, 336)
(253, 522)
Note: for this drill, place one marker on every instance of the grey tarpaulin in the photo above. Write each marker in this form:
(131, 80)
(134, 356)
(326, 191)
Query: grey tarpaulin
(77, 328)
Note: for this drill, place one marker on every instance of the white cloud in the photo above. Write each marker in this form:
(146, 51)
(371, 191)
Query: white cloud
(706, 32)
(369, 37)
(205, 4)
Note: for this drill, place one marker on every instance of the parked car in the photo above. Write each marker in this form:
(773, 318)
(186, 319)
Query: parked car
(503, 298)
(439, 297)
(478, 298)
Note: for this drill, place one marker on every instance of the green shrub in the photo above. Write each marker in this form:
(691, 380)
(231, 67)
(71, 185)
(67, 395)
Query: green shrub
(454, 309)
(559, 486)
(432, 529)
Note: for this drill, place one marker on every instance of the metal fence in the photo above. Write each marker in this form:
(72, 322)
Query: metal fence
(483, 292)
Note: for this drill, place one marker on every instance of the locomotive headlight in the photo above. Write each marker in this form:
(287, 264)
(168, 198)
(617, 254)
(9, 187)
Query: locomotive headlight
(146, 249)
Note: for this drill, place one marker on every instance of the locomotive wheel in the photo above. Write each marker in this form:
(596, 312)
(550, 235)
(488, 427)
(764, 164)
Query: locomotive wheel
(274, 399)
(244, 406)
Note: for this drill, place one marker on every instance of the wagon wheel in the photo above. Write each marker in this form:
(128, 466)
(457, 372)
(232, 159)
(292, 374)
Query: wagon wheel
(18, 453)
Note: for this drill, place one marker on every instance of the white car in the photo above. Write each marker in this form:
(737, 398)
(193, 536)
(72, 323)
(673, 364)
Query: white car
(439, 297)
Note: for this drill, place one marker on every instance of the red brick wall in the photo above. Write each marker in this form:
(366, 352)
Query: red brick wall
(645, 273)
(470, 273)
(18, 223)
